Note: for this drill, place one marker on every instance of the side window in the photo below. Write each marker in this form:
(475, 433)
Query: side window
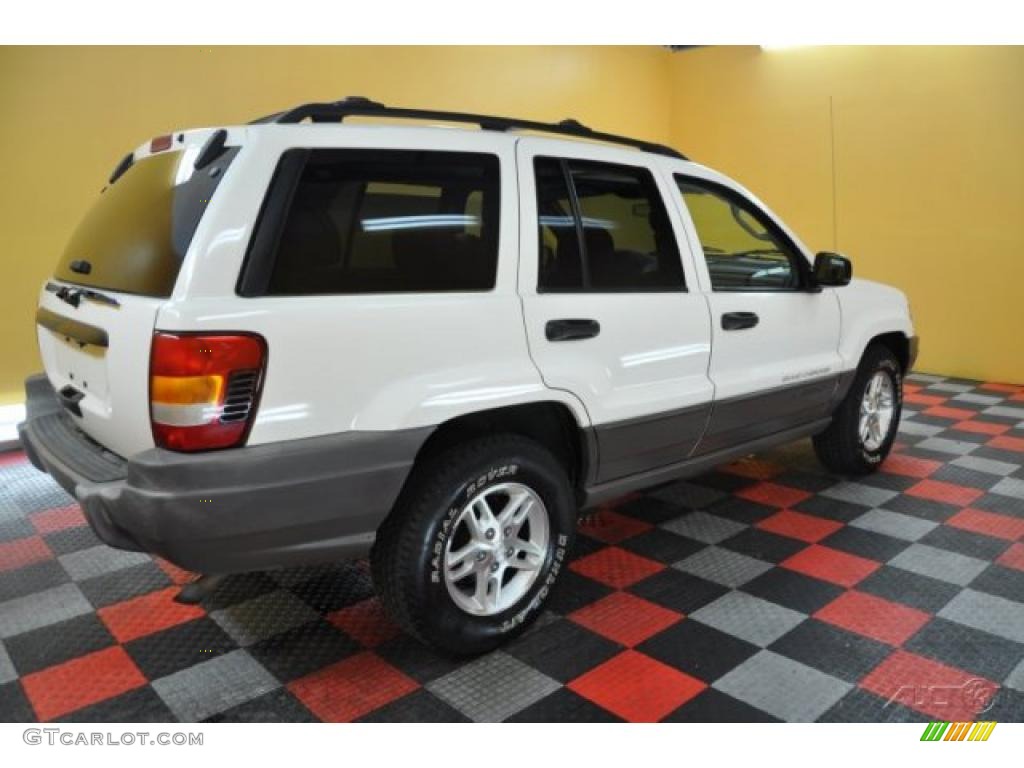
(744, 251)
(382, 221)
(603, 228)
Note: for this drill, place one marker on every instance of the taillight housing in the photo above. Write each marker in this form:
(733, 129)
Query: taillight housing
(204, 388)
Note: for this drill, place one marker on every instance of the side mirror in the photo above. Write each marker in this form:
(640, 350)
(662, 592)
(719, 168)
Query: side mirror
(832, 269)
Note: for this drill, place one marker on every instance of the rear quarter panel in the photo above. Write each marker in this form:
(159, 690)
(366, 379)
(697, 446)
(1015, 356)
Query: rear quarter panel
(362, 362)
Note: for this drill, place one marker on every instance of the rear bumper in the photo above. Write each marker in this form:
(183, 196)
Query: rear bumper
(298, 502)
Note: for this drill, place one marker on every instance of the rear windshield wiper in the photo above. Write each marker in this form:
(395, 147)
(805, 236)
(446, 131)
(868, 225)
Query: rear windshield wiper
(74, 296)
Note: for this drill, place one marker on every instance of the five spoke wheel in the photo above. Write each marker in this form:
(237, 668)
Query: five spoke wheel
(496, 549)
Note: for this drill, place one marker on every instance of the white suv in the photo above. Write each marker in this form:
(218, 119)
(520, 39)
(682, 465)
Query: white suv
(283, 343)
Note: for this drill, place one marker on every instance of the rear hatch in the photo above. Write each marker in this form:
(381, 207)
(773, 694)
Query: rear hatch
(96, 316)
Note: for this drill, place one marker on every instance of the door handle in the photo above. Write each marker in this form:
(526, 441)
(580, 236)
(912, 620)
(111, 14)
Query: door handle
(571, 329)
(737, 321)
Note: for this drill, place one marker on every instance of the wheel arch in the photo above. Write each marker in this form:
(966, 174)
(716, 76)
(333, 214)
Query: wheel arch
(548, 422)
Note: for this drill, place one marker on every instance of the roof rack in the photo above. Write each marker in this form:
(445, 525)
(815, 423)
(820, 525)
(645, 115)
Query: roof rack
(337, 111)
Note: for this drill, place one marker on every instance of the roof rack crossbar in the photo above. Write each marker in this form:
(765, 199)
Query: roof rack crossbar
(358, 106)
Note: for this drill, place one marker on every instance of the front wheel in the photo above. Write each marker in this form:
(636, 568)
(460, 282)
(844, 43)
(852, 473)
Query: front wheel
(864, 425)
(476, 543)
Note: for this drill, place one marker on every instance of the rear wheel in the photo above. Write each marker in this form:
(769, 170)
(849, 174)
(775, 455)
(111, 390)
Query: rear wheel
(864, 425)
(475, 544)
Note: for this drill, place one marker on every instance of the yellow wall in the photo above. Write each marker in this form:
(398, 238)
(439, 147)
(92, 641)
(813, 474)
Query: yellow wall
(929, 153)
(69, 114)
(929, 173)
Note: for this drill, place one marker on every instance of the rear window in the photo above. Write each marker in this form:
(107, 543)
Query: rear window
(136, 234)
(388, 221)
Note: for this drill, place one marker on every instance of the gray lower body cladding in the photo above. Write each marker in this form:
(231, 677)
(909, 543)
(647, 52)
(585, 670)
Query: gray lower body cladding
(297, 502)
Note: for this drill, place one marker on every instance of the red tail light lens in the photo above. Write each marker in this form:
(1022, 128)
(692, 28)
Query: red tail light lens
(203, 389)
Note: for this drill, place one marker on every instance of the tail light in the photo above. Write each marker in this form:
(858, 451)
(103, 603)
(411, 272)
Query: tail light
(203, 389)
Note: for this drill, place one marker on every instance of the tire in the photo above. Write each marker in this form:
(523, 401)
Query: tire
(430, 526)
(841, 447)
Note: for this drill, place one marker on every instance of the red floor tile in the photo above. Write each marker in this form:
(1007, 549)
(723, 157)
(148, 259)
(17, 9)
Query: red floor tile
(366, 621)
(754, 468)
(636, 687)
(936, 490)
(918, 399)
(352, 688)
(611, 527)
(10, 458)
(147, 614)
(773, 494)
(1013, 557)
(797, 525)
(616, 567)
(945, 412)
(59, 519)
(908, 387)
(873, 617)
(943, 692)
(1000, 387)
(626, 619)
(831, 565)
(1007, 443)
(982, 427)
(178, 575)
(988, 523)
(909, 466)
(80, 682)
(22, 552)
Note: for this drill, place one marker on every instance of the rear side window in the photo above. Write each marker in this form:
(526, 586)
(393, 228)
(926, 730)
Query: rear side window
(136, 234)
(384, 221)
(603, 228)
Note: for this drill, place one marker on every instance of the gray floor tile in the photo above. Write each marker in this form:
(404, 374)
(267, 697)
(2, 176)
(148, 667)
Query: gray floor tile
(989, 466)
(782, 687)
(493, 688)
(264, 616)
(703, 526)
(917, 429)
(945, 445)
(1010, 411)
(939, 564)
(974, 397)
(1010, 486)
(749, 618)
(989, 613)
(1015, 679)
(7, 670)
(213, 686)
(41, 609)
(723, 566)
(925, 378)
(95, 561)
(894, 524)
(859, 493)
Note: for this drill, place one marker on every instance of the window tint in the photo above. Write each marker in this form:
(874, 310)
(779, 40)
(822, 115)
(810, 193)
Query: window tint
(742, 249)
(137, 232)
(374, 221)
(617, 211)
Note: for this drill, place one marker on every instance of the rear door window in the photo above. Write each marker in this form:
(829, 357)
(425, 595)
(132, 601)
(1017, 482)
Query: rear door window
(136, 234)
(388, 221)
(603, 228)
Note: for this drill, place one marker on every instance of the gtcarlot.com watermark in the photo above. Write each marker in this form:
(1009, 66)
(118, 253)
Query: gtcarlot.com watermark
(69, 737)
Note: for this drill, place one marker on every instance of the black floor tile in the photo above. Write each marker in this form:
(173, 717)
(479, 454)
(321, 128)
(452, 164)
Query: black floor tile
(677, 590)
(698, 650)
(831, 650)
(900, 586)
(562, 649)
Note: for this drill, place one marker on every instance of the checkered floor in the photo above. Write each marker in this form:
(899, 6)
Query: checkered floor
(766, 590)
